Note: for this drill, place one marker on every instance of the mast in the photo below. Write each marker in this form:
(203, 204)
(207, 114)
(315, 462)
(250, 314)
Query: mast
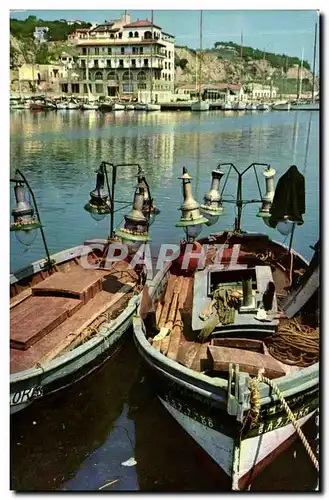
(314, 57)
(301, 76)
(241, 55)
(200, 57)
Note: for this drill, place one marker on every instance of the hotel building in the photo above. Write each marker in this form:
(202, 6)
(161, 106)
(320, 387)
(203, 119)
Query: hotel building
(126, 59)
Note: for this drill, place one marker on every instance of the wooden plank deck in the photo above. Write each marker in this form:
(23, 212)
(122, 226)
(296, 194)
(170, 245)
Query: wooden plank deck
(34, 318)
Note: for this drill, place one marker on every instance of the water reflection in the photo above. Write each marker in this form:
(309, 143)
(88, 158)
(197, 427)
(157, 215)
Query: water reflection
(59, 152)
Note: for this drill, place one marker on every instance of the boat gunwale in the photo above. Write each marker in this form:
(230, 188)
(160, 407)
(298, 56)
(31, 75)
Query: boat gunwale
(288, 384)
(99, 338)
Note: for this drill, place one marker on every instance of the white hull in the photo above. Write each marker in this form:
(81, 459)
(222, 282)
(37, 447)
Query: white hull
(251, 107)
(286, 106)
(221, 447)
(200, 106)
(118, 107)
(130, 107)
(140, 107)
(227, 106)
(90, 106)
(153, 107)
(72, 105)
(309, 106)
(263, 107)
(239, 106)
(62, 105)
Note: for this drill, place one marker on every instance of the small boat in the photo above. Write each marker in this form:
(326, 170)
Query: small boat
(150, 106)
(239, 106)
(62, 105)
(263, 107)
(72, 104)
(89, 106)
(130, 107)
(69, 310)
(117, 106)
(227, 106)
(140, 106)
(282, 106)
(305, 106)
(17, 104)
(222, 344)
(105, 106)
(251, 107)
(200, 106)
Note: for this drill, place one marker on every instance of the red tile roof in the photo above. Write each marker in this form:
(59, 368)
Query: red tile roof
(140, 24)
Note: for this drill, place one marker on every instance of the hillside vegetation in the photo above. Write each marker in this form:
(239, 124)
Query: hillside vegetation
(223, 63)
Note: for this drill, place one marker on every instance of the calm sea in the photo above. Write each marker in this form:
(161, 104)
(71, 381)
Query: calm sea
(80, 440)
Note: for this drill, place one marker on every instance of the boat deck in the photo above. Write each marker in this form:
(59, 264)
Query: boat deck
(173, 311)
(58, 310)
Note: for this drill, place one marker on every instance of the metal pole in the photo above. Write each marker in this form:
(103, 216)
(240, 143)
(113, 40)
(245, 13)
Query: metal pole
(114, 178)
(38, 214)
(314, 57)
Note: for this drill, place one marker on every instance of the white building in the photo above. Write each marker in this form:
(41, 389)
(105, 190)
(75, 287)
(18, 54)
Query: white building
(126, 59)
(40, 34)
(258, 91)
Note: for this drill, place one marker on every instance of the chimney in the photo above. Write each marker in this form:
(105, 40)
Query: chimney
(125, 18)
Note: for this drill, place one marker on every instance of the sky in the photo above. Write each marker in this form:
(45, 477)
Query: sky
(289, 32)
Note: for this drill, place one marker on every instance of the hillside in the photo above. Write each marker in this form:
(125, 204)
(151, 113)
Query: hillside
(223, 63)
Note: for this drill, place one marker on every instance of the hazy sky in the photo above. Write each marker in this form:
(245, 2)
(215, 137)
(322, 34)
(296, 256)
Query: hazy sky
(278, 31)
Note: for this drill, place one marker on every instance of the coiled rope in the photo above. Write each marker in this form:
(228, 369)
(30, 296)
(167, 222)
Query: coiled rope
(294, 343)
(254, 412)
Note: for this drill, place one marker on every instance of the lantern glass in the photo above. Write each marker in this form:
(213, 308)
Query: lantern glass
(97, 217)
(193, 231)
(26, 237)
(285, 227)
(212, 219)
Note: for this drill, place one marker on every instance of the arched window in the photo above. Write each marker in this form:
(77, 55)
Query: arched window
(112, 75)
(130, 34)
(136, 34)
(111, 35)
(126, 77)
(147, 35)
(141, 75)
(98, 75)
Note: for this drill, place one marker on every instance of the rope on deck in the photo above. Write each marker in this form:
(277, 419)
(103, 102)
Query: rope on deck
(254, 385)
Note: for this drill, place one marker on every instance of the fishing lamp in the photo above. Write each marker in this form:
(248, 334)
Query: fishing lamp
(212, 207)
(99, 205)
(135, 230)
(25, 222)
(285, 226)
(191, 219)
(267, 199)
(149, 209)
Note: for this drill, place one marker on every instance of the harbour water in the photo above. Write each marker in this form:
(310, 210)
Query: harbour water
(109, 427)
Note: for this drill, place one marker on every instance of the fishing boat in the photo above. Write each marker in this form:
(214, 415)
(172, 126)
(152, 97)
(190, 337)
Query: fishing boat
(305, 105)
(62, 104)
(72, 104)
(200, 105)
(140, 106)
(228, 329)
(105, 106)
(67, 311)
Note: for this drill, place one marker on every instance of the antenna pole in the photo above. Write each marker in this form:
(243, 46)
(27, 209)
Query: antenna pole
(314, 57)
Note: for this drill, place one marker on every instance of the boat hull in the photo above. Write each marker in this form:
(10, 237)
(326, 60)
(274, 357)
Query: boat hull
(153, 107)
(282, 107)
(203, 406)
(311, 106)
(32, 384)
(200, 106)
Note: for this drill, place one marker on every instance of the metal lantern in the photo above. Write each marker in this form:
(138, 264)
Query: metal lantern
(135, 230)
(99, 205)
(149, 209)
(25, 222)
(212, 207)
(191, 219)
(267, 199)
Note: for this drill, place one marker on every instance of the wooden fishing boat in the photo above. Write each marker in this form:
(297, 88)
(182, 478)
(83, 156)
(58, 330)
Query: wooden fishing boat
(221, 341)
(68, 311)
